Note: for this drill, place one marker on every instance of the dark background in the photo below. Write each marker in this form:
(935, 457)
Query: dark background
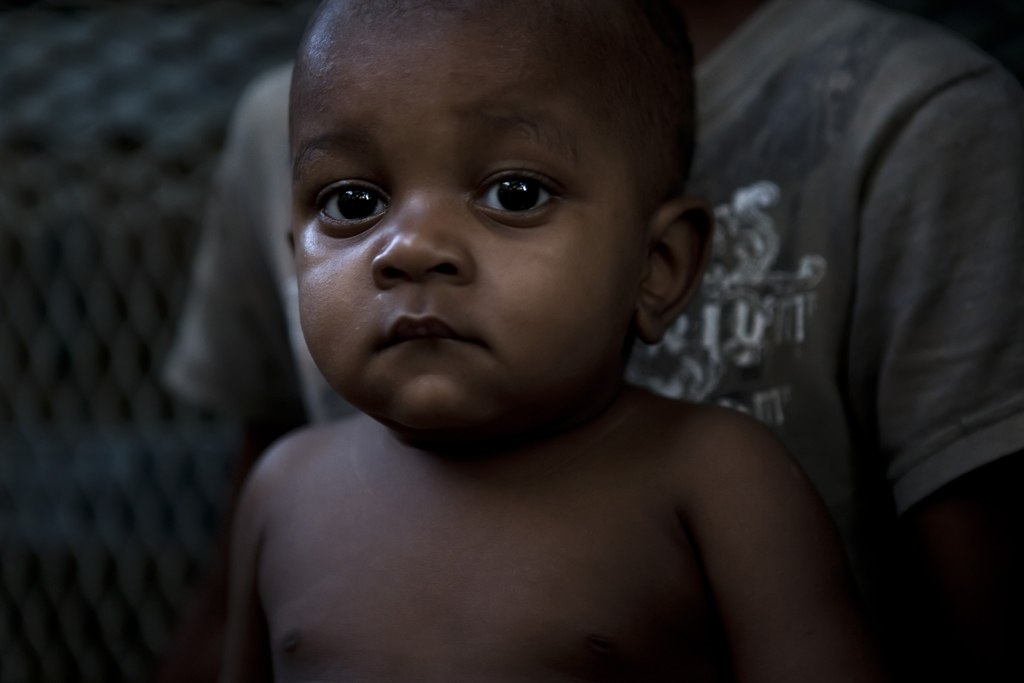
(111, 118)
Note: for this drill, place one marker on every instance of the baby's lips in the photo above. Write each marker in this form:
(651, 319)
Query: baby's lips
(422, 328)
(407, 328)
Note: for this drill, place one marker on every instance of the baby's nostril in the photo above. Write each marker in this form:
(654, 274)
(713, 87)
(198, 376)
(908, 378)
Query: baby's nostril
(392, 273)
(445, 269)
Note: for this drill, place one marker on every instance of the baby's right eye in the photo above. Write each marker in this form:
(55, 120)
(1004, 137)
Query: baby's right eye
(353, 203)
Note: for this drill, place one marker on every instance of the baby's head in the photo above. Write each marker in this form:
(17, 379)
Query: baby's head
(628, 61)
(488, 204)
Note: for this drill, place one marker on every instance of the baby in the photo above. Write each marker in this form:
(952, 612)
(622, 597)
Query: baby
(488, 211)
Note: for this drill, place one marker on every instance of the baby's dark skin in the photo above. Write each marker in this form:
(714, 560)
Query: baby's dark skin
(476, 247)
(660, 542)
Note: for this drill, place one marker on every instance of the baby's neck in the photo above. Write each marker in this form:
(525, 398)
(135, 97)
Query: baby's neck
(520, 425)
(541, 444)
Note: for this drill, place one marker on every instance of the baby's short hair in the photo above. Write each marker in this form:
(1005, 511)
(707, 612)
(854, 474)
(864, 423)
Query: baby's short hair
(647, 64)
(634, 56)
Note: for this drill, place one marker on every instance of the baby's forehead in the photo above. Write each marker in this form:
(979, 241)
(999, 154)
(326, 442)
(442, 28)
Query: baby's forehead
(512, 11)
(617, 70)
(532, 43)
(564, 28)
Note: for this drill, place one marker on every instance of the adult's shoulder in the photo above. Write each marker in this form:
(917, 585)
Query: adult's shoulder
(907, 63)
(899, 39)
(258, 131)
(889, 55)
(823, 87)
(264, 102)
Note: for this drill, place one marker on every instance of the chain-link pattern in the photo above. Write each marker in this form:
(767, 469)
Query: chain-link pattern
(111, 117)
(110, 121)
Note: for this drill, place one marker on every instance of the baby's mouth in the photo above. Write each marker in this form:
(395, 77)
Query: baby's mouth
(422, 328)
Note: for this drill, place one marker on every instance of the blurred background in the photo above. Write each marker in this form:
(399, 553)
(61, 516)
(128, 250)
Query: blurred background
(112, 115)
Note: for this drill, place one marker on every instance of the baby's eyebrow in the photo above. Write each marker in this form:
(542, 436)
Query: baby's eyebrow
(554, 137)
(352, 141)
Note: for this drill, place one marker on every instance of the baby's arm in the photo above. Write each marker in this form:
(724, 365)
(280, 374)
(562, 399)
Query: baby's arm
(773, 561)
(247, 641)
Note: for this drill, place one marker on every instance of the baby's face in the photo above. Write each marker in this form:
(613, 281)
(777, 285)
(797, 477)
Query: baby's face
(469, 238)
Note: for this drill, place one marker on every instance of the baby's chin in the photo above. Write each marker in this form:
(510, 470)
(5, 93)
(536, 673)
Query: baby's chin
(443, 413)
(466, 430)
(440, 430)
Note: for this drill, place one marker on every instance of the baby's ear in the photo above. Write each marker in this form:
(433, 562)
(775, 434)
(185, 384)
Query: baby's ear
(679, 244)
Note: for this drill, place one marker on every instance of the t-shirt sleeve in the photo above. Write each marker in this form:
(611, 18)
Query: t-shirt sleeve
(231, 352)
(937, 340)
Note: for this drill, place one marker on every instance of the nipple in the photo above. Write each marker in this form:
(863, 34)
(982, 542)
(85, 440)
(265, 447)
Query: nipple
(600, 645)
(291, 641)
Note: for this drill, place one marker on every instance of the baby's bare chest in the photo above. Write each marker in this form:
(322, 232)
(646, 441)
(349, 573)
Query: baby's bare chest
(439, 578)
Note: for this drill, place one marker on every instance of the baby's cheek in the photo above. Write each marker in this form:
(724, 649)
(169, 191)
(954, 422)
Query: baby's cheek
(331, 318)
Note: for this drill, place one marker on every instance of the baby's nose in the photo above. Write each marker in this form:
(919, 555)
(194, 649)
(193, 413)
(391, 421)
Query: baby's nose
(425, 243)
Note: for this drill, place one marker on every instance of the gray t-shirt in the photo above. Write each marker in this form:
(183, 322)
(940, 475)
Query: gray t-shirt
(865, 295)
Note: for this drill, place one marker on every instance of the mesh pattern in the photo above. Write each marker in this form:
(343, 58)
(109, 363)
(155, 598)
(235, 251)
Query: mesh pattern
(106, 143)
(111, 117)
(101, 539)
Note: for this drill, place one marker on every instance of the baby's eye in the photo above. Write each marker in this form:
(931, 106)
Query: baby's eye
(516, 194)
(353, 203)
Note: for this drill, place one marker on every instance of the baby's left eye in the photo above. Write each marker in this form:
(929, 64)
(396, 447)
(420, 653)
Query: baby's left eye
(516, 194)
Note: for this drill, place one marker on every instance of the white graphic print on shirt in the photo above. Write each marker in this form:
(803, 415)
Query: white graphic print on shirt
(744, 310)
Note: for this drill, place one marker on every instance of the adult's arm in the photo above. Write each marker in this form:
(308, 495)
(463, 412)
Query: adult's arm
(232, 352)
(937, 349)
(966, 545)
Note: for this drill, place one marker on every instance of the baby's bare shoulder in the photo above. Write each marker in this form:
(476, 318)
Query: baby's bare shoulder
(703, 434)
(731, 475)
(305, 455)
(767, 546)
(706, 449)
